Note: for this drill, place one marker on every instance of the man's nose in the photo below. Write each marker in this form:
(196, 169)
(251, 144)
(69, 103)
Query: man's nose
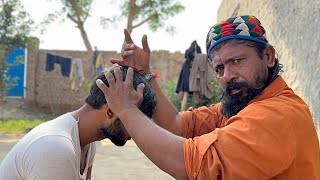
(228, 75)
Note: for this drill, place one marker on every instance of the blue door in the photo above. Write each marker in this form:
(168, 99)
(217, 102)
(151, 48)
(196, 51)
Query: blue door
(17, 61)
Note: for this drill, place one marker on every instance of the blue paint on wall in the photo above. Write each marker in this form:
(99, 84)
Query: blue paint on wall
(16, 71)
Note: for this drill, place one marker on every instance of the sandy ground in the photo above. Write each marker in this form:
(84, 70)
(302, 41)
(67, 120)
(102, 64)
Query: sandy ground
(111, 162)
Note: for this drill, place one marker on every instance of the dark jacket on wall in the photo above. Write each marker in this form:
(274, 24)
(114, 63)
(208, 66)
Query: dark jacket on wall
(183, 82)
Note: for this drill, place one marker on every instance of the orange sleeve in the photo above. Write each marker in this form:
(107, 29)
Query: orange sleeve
(200, 121)
(258, 143)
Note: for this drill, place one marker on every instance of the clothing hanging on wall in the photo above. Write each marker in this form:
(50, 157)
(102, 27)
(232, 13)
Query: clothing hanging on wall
(99, 63)
(201, 77)
(76, 74)
(65, 63)
(92, 65)
(183, 81)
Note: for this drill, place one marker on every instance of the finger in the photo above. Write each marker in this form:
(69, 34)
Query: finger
(115, 65)
(130, 46)
(140, 89)
(127, 36)
(126, 54)
(129, 77)
(118, 61)
(190, 108)
(145, 44)
(110, 79)
(118, 73)
(102, 86)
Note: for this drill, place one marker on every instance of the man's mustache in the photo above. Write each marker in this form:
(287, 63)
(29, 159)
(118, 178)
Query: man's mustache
(235, 85)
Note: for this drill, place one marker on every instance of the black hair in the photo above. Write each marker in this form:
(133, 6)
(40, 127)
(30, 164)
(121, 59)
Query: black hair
(96, 97)
(259, 48)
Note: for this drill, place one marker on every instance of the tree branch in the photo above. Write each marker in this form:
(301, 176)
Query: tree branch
(71, 18)
(75, 8)
(144, 21)
(85, 18)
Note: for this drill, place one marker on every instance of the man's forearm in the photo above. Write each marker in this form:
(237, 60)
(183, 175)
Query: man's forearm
(160, 146)
(166, 115)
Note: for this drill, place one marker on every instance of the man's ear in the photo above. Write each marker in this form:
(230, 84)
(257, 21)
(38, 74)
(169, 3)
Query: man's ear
(109, 113)
(270, 56)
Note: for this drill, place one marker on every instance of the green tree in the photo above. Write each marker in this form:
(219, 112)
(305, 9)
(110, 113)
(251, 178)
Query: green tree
(153, 12)
(15, 26)
(76, 11)
(137, 12)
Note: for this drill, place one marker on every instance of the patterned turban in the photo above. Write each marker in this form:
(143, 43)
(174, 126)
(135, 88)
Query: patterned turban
(240, 27)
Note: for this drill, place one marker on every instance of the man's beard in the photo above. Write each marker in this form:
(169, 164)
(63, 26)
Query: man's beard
(232, 104)
(115, 132)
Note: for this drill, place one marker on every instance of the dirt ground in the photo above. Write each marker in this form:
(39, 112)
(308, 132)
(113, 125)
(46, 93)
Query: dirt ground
(111, 162)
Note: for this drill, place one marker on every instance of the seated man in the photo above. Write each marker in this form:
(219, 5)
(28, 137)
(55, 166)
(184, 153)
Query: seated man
(64, 148)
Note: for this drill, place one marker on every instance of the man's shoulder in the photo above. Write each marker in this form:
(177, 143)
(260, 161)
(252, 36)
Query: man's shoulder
(278, 108)
(52, 135)
(63, 125)
(51, 144)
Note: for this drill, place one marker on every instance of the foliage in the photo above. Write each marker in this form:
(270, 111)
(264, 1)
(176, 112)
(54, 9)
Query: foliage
(15, 26)
(75, 10)
(170, 92)
(67, 10)
(153, 12)
(18, 126)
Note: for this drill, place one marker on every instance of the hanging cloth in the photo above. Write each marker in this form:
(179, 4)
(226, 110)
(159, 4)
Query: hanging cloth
(201, 77)
(76, 75)
(65, 64)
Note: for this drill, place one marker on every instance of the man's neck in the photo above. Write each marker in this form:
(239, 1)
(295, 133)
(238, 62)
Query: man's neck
(87, 124)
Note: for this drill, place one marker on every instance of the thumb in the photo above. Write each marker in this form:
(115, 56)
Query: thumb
(145, 44)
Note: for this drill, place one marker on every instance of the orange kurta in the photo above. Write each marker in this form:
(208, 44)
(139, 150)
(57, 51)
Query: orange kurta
(274, 137)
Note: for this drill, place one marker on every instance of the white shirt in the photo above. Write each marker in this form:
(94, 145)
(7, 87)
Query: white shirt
(49, 151)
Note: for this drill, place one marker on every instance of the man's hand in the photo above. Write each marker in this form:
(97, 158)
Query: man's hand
(134, 56)
(120, 95)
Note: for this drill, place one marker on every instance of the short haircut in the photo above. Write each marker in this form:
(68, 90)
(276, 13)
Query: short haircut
(96, 98)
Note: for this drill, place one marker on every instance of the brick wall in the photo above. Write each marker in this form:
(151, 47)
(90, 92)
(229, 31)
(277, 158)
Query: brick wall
(52, 92)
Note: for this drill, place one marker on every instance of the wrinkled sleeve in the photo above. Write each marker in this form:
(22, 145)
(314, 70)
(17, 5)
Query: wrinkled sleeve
(50, 157)
(258, 143)
(200, 121)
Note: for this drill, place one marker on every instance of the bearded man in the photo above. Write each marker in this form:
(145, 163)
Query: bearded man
(260, 130)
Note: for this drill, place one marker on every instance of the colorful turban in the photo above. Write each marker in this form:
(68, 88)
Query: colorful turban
(241, 27)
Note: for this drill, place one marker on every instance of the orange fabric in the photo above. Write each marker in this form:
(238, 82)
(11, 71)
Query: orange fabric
(272, 138)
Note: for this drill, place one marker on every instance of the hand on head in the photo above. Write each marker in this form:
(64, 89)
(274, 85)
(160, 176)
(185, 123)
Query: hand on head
(134, 56)
(121, 95)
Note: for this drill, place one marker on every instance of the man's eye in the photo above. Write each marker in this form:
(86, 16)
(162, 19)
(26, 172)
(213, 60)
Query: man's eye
(219, 71)
(236, 61)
